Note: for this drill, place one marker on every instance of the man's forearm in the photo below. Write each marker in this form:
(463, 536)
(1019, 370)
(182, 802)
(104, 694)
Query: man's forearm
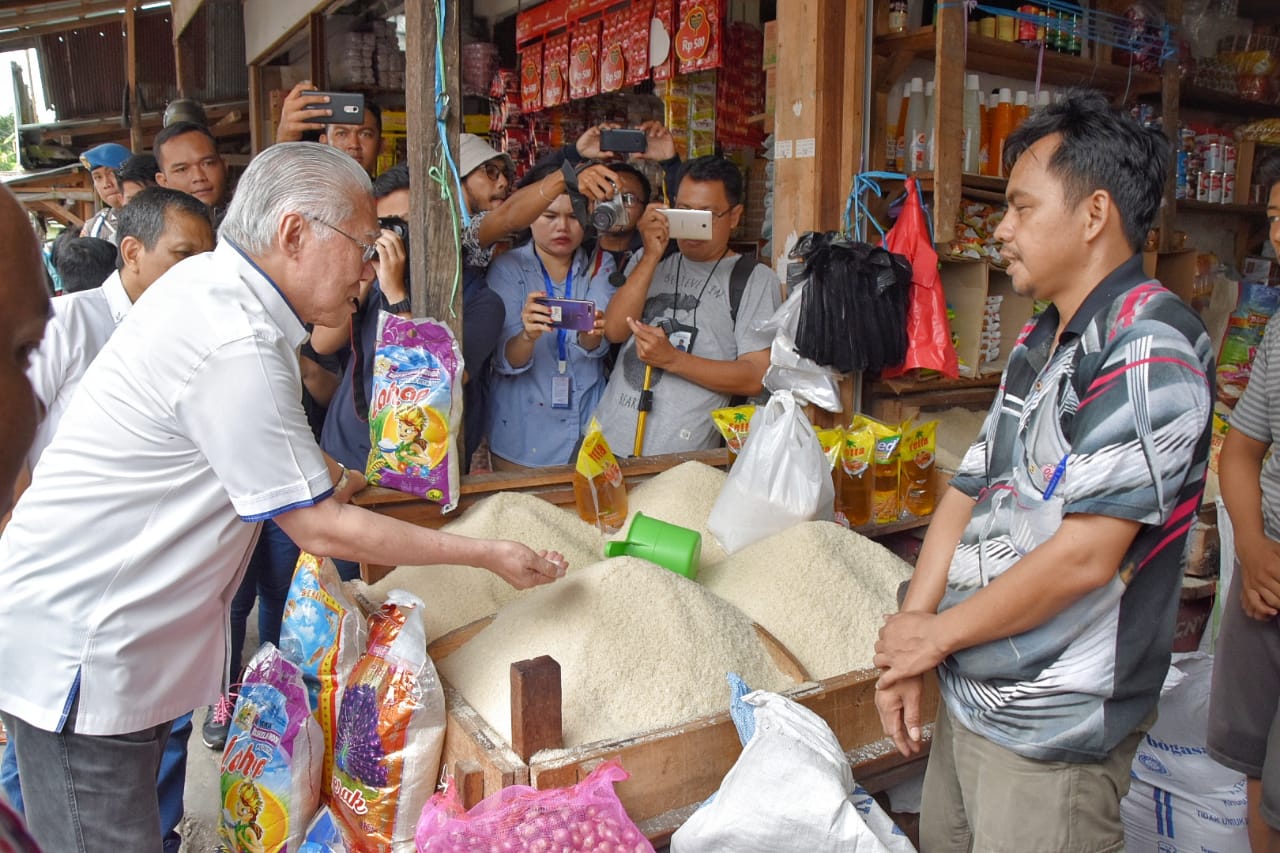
(353, 533)
(628, 300)
(929, 578)
(1240, 482)
(1082, 556)
(739, 378)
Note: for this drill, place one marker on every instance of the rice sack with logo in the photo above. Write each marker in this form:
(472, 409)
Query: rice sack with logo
(415, 409)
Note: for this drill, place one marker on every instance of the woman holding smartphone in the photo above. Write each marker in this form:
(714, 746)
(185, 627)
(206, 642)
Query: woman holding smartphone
(547, 378)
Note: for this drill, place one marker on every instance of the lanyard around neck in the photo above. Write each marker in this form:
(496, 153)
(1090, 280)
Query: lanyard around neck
(562, 336)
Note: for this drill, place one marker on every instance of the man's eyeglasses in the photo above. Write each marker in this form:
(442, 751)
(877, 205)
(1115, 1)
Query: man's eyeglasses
(370, 251)
(493, 171)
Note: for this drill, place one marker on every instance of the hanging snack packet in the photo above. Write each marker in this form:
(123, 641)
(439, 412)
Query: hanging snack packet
(271, 764)
(734, 424)
(884, 472)
(855, 472)
(917, 453)
(598, 487)
(415, 410)
(390, 733)
(324, 635)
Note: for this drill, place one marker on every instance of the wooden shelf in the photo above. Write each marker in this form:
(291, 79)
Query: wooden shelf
(1010, 59)
(1192, 206)
(898, 387)
(1211, 100)
(981, 187)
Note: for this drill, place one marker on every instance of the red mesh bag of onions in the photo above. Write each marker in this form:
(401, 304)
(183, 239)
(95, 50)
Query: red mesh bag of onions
(584, 817)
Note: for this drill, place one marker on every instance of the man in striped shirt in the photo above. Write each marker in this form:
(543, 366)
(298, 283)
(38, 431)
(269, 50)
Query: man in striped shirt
(1048, 585)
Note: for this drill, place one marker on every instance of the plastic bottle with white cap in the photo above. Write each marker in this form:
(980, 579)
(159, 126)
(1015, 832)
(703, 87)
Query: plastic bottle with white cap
(972, 162)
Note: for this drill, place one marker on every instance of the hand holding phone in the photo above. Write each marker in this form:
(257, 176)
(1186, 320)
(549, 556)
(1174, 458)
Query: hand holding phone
(687, 224)
(578, 315)
(623, 141)
(345, 107)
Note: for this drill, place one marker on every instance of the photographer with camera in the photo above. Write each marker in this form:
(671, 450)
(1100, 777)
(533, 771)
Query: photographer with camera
(548, 372)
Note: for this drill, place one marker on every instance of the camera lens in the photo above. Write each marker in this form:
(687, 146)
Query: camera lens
(610, 215)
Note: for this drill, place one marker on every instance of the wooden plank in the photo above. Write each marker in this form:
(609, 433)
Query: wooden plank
(948, 119)
(131, 77)
(183, 12)
(468, 737)
(469, 777)
(316, 53)
(536, 706)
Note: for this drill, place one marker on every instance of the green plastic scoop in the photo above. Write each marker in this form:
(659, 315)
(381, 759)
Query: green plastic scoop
(668, 545)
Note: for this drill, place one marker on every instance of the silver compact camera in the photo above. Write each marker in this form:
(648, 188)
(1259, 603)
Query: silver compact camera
(610, 215)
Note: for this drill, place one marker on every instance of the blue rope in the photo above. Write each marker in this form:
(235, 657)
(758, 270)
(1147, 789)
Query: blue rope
(447, 174)
(865, 182)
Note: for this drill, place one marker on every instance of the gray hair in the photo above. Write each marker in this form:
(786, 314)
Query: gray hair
(307, 178)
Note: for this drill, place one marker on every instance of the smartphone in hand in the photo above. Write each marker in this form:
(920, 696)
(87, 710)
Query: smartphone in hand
(623, 141)
(347, 107)
(578, 315)
(687, 224)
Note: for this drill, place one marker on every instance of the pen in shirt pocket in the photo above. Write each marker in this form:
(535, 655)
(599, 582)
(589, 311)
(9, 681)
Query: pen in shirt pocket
(1057, 477)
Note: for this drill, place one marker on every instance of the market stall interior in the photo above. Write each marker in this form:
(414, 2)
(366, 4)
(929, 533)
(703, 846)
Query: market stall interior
(851, 123)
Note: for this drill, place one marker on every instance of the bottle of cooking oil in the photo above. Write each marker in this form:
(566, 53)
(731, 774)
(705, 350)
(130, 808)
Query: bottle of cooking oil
(832, 442)
(854, 491)
(598, 488)
(917, 453)
(884, 472)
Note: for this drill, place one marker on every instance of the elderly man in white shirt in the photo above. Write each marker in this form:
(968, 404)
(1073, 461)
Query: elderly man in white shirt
(186, 431)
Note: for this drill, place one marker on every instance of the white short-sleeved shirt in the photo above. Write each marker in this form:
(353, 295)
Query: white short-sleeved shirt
(81, 324)
(121, 560)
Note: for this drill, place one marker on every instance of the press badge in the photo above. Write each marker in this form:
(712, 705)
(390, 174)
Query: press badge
(560, 387)
(682, 336)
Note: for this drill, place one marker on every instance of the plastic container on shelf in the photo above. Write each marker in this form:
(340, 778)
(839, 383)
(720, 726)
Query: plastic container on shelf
(930, 124)
(971, 156)
(986, 155)
(1021, 107)
(917, 131)
(1001, 127)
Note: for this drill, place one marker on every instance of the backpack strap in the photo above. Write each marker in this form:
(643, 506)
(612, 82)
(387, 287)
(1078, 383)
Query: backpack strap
(742, 269)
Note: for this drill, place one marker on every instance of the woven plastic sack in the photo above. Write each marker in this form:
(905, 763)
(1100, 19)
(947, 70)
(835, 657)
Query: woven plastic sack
(928, 331)
(415, 410)
(271, 762)
(585, 817)
(390, 733)
(324, 634)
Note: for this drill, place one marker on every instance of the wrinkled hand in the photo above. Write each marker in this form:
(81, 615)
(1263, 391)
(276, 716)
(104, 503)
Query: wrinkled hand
(297, 116)
(899, 709)
(534, 316)
(661, 146)
(590, 340)
(588, 143)
(652, 346)
(907, 647)
(390, 265)
(654, 229)
(597, 182)
(522, 567)
(355, 483)
(1259, 577)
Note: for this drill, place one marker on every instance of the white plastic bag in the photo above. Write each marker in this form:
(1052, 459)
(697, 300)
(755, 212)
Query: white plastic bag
(790, 790)
(790, 371)
(780, 478)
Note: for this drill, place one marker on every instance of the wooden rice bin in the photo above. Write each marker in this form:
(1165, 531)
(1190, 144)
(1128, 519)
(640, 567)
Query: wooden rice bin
(672, 769)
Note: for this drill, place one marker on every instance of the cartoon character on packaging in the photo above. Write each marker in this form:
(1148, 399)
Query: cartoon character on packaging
(246, 835)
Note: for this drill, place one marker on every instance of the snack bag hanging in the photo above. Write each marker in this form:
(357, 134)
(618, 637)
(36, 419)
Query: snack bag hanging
(415, 410)
(324, 635)
(271, 765)
(598, 488)
(390, 733)
(928, 332)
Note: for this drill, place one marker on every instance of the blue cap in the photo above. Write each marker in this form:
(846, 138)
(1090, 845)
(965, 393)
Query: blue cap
(110, 154)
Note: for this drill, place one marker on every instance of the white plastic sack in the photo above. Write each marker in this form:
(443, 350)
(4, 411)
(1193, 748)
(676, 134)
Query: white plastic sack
(790, 371)
(1180, 800)
(790, 790)
(780, 479)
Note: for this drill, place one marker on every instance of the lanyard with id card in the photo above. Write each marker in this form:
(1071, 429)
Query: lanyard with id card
(561, 383)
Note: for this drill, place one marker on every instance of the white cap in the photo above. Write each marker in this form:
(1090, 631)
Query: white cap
(1044, 98)
(1020, 99)
(917, 84)
(928, 88)
(1006, 96)
(971, 81)
(993, 100)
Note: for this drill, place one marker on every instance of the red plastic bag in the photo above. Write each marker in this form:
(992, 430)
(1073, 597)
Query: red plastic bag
(928, 332)
(584, 817)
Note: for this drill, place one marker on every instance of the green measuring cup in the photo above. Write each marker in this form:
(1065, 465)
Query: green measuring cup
(668, 545)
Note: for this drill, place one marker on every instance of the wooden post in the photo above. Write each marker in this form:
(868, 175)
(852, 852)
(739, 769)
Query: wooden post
(948, 119)
(184, 64)
(257, 121)
(536, 721)
(315, 38)
(131, 76)
(434, 263)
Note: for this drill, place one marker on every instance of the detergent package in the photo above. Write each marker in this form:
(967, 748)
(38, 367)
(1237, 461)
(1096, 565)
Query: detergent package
(324, 635)
(390, 733)
(415, 409)
(271, 765)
